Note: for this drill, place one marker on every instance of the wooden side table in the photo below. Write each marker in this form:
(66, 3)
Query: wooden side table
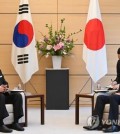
(77, 104)
(41, 106)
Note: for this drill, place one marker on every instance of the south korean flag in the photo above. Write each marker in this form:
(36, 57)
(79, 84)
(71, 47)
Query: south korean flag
(24, 53)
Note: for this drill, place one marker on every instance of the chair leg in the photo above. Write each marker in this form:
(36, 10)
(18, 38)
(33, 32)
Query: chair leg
(26, 121)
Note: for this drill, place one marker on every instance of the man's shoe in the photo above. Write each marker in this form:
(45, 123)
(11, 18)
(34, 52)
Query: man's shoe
(111, 129)
(88, 128)
(100, 127)
(5, 129)
(17, 127)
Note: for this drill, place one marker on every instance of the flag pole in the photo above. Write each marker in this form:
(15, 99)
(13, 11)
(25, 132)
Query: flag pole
(92, 86)
(24, 87)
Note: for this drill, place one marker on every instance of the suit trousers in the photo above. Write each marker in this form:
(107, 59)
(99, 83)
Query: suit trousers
(14, 98)
(113, 100)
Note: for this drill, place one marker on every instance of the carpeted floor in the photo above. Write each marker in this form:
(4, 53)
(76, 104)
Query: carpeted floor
(57, 122)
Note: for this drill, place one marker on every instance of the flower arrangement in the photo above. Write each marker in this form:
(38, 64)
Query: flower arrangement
(57, 44)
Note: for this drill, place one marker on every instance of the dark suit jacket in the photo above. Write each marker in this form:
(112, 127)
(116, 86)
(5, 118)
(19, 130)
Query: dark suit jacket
(2, 79)
(118, 72)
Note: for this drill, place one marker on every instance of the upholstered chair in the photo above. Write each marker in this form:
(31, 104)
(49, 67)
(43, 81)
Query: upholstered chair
(9, 120)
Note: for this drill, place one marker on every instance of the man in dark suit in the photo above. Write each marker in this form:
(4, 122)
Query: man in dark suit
(113, 100)
(14, 98)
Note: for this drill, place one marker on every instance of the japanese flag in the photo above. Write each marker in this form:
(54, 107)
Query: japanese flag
(94, 48)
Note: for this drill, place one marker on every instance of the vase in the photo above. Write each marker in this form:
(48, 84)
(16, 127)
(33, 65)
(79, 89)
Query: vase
(56, 60)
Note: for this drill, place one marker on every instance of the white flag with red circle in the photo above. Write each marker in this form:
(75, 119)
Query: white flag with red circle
(94, 48)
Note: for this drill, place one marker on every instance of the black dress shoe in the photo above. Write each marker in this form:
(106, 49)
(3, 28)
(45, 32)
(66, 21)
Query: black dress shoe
(111, 129)
(100, 127)
(88, 128)
(5, 129)
(17, 127)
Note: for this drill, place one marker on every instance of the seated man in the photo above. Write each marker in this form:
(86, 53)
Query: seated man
(113, 100)
(14, 98)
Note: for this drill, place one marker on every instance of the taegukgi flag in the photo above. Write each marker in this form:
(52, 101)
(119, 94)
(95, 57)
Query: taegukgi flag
(94, 48)
(24, 54)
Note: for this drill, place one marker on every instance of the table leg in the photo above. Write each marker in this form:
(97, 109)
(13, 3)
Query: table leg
(92, 105)
(77, 110)
(26, 118)
(42, 110)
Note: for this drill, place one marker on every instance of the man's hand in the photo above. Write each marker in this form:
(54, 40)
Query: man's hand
(117, 93)
(113, 83)
(116, 86)
(5, 86)
(2, 88)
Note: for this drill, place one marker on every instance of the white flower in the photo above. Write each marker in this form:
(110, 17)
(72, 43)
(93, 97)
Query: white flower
(64, 53)
(67, 46)
(49, 47)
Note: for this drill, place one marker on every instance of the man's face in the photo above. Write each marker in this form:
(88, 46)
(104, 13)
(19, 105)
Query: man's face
(118, 56)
